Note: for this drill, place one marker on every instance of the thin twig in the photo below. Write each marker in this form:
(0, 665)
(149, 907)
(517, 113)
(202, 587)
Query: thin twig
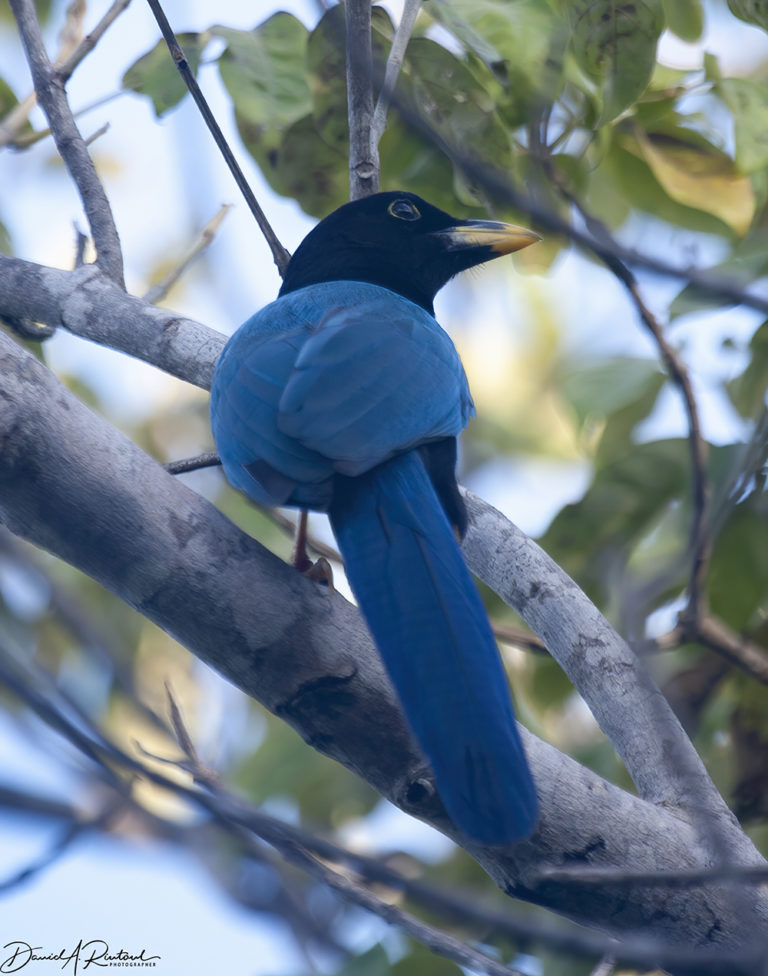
(89, 42)
(27, 139)
(16, 119)
(72, 149)
(102, 130)
(363, 154)
(71, 833)
(436, 940)
(700, 540)
(208, 460)
(71, 33)
(81, 242)
(695, 622)
(392, 70)
(66, 61)
(518, 637)
(159, 291)
(279, 253)
(741, 651)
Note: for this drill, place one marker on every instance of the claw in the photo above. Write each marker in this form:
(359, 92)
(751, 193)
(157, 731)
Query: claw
(321, 572)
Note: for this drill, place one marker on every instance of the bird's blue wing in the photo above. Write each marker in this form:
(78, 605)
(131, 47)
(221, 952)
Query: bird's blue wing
(333, 378)
(377, 377)
(257, 457)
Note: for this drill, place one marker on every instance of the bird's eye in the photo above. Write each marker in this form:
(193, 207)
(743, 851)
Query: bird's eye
(403, 210)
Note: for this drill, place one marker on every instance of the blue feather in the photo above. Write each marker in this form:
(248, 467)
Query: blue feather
(322, 400)
(433, 634)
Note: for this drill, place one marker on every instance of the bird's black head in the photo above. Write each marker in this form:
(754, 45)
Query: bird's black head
(401, 242)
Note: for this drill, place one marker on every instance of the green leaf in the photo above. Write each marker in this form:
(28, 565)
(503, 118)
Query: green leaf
(751, 11)
(626, 170)
(520, 42)
(621, 423)
(9, 101)
(738, 576)
(712, 71)
(285, 766)
(409, 161)
(699, 177)
(452, 17)
(747, 392)
(685, 18)
(156, 75)
(596, 389)
(615, 45)
(42, 9)
(748, 103)
(627, 497)
(298, 163)
(326, 68)
(264, 70)
(446, 93)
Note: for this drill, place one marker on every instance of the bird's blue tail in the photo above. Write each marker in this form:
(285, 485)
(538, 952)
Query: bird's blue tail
(432, 632)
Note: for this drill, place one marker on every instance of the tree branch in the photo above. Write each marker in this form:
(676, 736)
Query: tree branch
(66, 68)
(160, 290)
(497, 185)
(656, 751)
(52, 98)
(88, 304)
(392, 70)
(363, 154)
(312, 854)
(73, 485)
(280, 256)
(495, 549)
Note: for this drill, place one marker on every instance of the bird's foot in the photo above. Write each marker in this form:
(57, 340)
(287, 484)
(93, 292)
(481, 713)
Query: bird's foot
(321, 572)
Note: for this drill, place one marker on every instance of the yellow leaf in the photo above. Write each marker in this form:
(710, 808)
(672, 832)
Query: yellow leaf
(699, 177)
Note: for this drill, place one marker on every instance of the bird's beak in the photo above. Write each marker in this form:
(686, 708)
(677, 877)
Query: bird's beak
(497, 237)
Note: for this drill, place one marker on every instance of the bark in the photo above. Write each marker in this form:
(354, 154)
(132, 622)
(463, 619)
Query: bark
(72, 484)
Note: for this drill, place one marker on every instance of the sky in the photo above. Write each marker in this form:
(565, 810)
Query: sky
(165, 181)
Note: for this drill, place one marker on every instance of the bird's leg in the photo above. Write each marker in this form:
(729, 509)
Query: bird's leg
(320, 571)
(299, 558)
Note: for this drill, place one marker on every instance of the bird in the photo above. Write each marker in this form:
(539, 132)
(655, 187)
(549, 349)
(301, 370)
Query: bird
(345, 395)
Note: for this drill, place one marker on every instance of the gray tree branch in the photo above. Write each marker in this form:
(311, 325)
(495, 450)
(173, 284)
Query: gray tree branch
(363, 153)
(653, 746)
(87, 303)
(392, 70)
(73, 485)
(52, 98)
